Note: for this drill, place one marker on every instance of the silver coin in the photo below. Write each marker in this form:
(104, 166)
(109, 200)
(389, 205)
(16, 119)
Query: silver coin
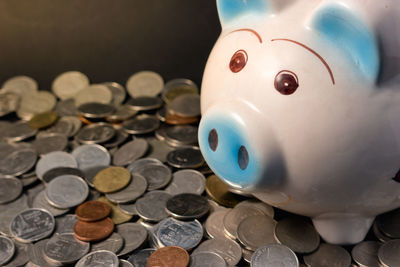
(135, 166)
(95, 133)
(235, 216)
(95, 110)
(32, 225)
(388, 253)
(54, 173)
(74, 121)
(178, 83)
(143, 103)
(214, 224)
(130, 152)
(151, 207)
(139, 258)
(91, 172)
(275, 255)
(36, 103)
(181, 135)
(89, 156)
(20, 255)
(366, 253)
(50, 142)
(66, 107)
(135, 189)
(93, 93)
(7, 249)
(185, 158)
(65, 249)
(21, 85)
(141, 124)
(69, 83)
(389, 223)
(128, 208)
(27, 181)
(158, 149)
(65, 224)
(10, 188)
(66, 191)
(214, 206)
(99, 258)
(228, 249)
(119, 138)
(299, 235)
(18, 162)
(254, 231)
(187, 235)
(328, 255)
(378, 234)
(134, 236)
(18, 131)
(121, 113)
(157, 175)
(9, 102)
(247, 254)
(8, 212)
(113, 243)
(118, 93)
(36, 255)
(145, 83)
(40, 202)
(187, 206)
(54, 160)
(187, 181)
(187, 105)
(254, 203)
(125, 263)
(206, 259)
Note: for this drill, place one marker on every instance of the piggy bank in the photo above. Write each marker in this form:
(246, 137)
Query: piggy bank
(300, 106)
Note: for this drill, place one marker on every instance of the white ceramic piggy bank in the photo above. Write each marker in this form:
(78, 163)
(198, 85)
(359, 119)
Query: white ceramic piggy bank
(301, 107)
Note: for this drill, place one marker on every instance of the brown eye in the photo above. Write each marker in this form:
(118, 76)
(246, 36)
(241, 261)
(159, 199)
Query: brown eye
(286, 82)
(238, 61)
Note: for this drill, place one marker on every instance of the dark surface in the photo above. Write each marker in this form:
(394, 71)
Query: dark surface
(106, 39)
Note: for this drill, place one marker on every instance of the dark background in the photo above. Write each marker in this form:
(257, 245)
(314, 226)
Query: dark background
(108, 40)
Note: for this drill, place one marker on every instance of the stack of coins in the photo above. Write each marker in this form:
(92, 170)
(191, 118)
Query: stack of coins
(91, 177)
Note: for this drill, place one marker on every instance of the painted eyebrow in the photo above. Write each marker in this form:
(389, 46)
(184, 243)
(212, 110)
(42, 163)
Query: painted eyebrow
(312, 51)
(250, 30)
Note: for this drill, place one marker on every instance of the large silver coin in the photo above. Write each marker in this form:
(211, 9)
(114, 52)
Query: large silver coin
(254, 231)
(49, 142)
(40, 202)
(113, 243)
(187, 181)
(328, 255)
(7, 249)
(54, 173)
(9, 102)
(66, 191)
(65, 224)
(187, 206)
(141, 124)
(89, 156)
(32, 225)
(158, 149)
(65, 249)
(119, 138)
(99, 258)
(275, 255)
(21, 85)
(202, 259)
(388, 253)
(93, 93)
(95, 110)
(8, 212)
(10, 188)
(135, 189)
(254, 203)
(18, 131)
(139, 258)
(66, 107)
(68, 84)
(135, 166)
(235, 216)
(118, 93)
(95, 133)
(36, 255)
(54, 160)
(18, 162)
(134, 236)
(35, 103)
(186, 105)
(185, 157)
(226, 248)
(151, 207)
(130, 152)
(20, 255)
(215, 224)
(145, 83)
(181, 135)
(366, 253)
(157, 175)
(144, 103)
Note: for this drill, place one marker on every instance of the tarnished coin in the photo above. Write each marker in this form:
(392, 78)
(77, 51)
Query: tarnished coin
(93, 93)
(187, 181)
(18, 131)
(95, 110)
(66, 191)
(111, 179)
(139, 258)
(20, 255)
(50, 142)
(68, 84)
(389, 223)
(135, 189)
(118, 93)
(18, 162)
(93, 210)
(181, 135)
(43, 120)
(328, 255)
(21, 85)
(214, 225)
(254, 231)
(219, 192)
(9, 102)
(141, 124)
(54, 160)
(187, 206)
(117, 215)
(206, 259)
(7, 249)
(145, 83)
(235, 216)
(157, 175)
(65, 224)
(297, 234)
(89, 156)
(40, 202)
(226, 248)
(95, 133)
(366, 253)
(187, 105)
(113, 243)
(65, 249)
(134, 236)
(58, 171)
(177, 87)
(187, 235)
(130, 152)
(144, 103)
(32, 225)
(185, 157)
(151, 207)
(254, 203)
(10, 188)
(169, 256)
(388, 253)
(36, 255)
(275, 255)
(99, 258)
(93, 231)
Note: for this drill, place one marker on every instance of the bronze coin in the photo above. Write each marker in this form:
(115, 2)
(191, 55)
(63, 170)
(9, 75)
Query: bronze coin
(111, 179)
(93, 210)
(217, 190)
(43, 120)
(93, 231)
(169, 257)
(175, 119)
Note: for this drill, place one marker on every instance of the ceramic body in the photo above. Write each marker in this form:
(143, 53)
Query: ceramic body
(301, 106)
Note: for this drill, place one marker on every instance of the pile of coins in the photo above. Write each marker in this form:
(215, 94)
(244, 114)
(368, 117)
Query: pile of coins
(91, 177)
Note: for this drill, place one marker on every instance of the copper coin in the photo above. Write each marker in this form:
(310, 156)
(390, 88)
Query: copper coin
(93, 210)
(175, 119)
(169, 257)
(93, 231)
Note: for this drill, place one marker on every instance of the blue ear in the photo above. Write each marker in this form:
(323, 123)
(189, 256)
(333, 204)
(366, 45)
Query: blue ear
(346, 31)
(229, 10)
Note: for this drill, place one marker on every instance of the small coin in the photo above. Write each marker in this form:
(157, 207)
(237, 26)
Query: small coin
(177, 87)
(134, 236)
(99, 258)
(135, 189)
(118, 93)
(145, 83)
(111, 179)
(95, 133)
(388, 223)
(113, 243)
(10, 189)
(65, 249)
(89, 156)
(50, 142)
(206, 259)
(21, 85)
(181, 135)
(141, 124)
(32, 225)
(187, 181)
(226, 248)
(140, 257)
(18, 162)
(43, 120)
(93, 110)
(93, 231)
(366, 253)
(58, 171)
(219, 192)
(40, 202)
(388, 253)
(36, 255)
(20, 255)
(275, 255)
(130, 152)
(157, 175)
(235, 216)
(185, 157)
(187, 105)
(151, 207)
(68, 84)
(9, 102)
(54, 160)
(169, 256)
(215, 224)
(7, 249)
(65, 224)
(18, 131)
(187, 206)
(93, 210)
(117, 215)
(93, 93)
(328, 255)
(254, 231)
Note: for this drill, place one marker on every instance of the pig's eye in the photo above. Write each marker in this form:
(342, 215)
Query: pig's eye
(238, 61)
(286, 82)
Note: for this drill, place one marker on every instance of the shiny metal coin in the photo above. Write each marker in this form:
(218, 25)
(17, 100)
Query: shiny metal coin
(55, 172)
(65, 224)
(247, 254)
(7, 249)
(328, 255)
(66, 107)
(18, 131)
(187, 105)
(185, 158)
(177, 87)
(389, 223)
(21, 85)
(99, 258)
(145, 83)
(36, 255)
(366, 253)
(275, 255)
(113, 243)
(54, 160)
(144, 103)
(224, 247)
(8, 212)
(10, 188)
(134, 236)
(128, 208)
(91, 172)
(20, 255)
(89, 156)
(118, 93)
(214, 224)
(119, 138)
(93, 93)
(187, 206)
(18, 162)
(378, 234)
(134, 190)
(95, 110)
(130, 152)
(139, 258)
(187, 181)
(158, 149)
(254, 231)
(9, 102)
(254, 203)
(125, 263)
(388, 253)
(135, 166)
(65, 249)
(181, 135)
(151, 207)
(207, 259)
(32, 225)
(95, 133)
(235, 216)
(157, 175)
(68, 84)
(40, 202)
(36, 103)
(121, 113)
(141, 124)
(50, 142)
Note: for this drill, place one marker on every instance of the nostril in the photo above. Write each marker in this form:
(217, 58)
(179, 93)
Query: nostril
(213, 139)
(243, 157)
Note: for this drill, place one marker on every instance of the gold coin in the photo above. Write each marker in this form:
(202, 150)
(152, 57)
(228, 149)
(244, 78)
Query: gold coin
(219, 192)
(43, 120)
(117, 215)
(111, 179)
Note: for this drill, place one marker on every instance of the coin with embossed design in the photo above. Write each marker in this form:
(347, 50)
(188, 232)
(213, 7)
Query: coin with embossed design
(169, 256)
